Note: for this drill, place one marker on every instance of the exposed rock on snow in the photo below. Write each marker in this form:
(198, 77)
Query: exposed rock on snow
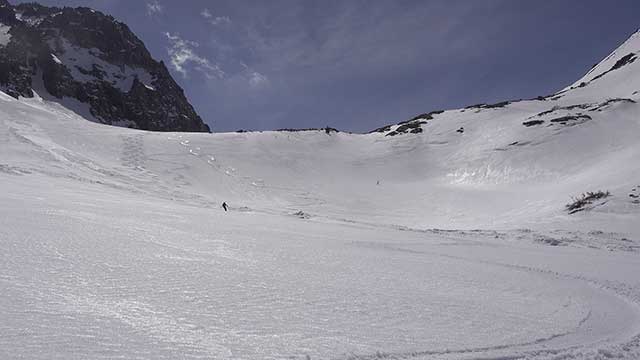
(412, 125)
(533, 123)
(302, 215)
(586, 201)
(625, 60)
(571, 118)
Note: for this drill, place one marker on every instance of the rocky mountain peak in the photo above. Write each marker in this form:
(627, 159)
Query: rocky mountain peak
(86, 55)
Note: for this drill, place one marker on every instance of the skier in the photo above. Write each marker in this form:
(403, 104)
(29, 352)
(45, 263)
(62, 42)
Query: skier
(224, 206)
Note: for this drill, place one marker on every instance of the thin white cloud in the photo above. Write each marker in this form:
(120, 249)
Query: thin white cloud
(220, 20)
(154, 8)
(215, 20)
(182, 54)
(257, 80)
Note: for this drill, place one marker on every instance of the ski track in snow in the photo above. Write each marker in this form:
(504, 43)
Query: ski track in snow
(630, 294)
(138, 298)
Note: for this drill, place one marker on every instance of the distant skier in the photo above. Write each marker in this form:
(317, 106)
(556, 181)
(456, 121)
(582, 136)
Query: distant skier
(224, 206)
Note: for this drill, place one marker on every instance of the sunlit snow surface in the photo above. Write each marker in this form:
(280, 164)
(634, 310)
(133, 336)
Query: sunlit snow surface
(114, 244)
(5, 37)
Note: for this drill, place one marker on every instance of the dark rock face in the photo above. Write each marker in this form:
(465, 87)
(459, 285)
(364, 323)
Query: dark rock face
(411, 126)
(89, 56)
(625, 60)
(569, 118)
(533, 123)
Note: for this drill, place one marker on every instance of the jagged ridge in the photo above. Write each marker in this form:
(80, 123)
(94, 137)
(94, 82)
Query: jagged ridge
(86, 55)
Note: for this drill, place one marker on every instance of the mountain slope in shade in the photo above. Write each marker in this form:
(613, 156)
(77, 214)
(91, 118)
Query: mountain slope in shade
(84, 55)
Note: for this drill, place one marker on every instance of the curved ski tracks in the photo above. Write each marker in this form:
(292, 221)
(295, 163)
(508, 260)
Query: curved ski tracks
(624, 347)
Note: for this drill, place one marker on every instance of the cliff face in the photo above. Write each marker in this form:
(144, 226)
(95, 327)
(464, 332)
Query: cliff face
(83, 54)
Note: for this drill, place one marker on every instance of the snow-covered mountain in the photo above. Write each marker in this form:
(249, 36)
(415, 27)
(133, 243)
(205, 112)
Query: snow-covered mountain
(582, 138)
(444, 237)
(613, 80)
(92, 61)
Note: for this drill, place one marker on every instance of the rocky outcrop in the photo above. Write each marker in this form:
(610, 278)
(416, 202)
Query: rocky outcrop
(89, 56)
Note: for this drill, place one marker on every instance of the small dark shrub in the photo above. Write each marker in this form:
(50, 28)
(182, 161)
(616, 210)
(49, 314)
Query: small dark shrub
(579, 203)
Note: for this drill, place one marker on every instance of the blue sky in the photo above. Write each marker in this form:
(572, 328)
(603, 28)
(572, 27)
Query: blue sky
(359, 64)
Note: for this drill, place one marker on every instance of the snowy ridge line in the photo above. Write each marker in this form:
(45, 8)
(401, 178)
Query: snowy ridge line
(628, 46)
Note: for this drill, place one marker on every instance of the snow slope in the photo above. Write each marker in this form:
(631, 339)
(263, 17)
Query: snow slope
(337, 246)
(5, 37)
